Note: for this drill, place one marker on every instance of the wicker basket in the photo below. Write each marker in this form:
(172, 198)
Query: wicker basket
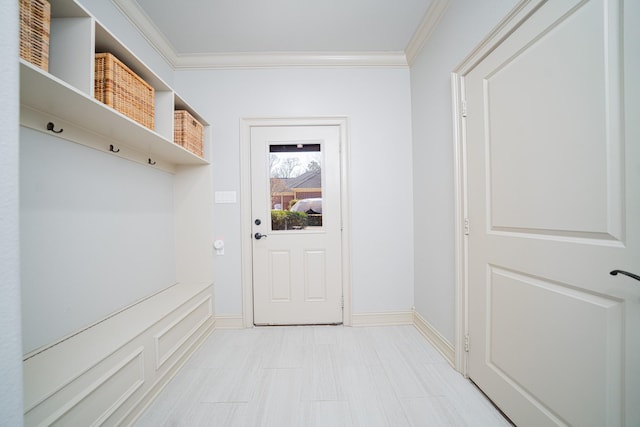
(188, 132)
(120, 88)
(35, 24)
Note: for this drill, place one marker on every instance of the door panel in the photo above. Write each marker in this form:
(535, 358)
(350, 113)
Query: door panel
(315, 279)
(553, 196)
(546, 340)
(297, 271)
(280, 277)
(528, 166)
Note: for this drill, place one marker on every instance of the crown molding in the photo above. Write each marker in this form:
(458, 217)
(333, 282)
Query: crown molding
(291, 60)
(431, 18)
(147, 28)
(140, 20)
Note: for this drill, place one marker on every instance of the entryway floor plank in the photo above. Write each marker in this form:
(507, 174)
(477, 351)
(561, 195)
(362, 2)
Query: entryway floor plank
(319, 376)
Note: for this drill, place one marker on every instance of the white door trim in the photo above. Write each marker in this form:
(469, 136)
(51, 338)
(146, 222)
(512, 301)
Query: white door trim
(245, 205)
(519, 13)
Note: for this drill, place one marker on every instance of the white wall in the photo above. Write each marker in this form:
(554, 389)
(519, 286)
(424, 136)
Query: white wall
(10, 344)
(377, 103)
(96, 233)
(464, 25)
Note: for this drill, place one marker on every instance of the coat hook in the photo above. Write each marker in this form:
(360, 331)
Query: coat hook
(113, 150)
(150, 162)
(50, 126)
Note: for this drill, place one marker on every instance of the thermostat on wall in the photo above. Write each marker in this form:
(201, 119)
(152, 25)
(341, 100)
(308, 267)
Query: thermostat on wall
(218, 245)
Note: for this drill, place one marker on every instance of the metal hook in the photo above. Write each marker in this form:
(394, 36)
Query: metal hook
(150, 162)
(113, 150)
(50, 127)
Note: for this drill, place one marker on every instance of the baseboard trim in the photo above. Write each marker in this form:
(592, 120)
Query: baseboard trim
(382, 319)
(234, 321)
(434, 337)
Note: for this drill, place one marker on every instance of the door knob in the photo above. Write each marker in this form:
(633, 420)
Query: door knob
(626, 273)
(259, 236)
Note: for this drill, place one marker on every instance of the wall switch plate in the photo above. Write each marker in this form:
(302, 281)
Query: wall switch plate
(225, 197)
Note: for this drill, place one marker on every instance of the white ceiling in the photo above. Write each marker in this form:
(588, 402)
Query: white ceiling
(195, 32)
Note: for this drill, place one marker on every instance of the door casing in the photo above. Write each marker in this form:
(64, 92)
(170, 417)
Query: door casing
(490, 42)
(245, 205)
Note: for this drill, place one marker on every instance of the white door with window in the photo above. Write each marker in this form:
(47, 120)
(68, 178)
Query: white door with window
(296, 249)
(553, 177)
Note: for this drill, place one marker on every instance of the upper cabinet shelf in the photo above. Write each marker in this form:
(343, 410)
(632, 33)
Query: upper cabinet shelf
(51, 96)
(66, 93)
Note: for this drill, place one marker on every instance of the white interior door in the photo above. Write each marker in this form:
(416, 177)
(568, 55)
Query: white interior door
(297, 256)
(553, 178)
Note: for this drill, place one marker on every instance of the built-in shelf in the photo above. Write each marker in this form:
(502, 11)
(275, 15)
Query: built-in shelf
(108, 371)
(65, 94)
(54, 98)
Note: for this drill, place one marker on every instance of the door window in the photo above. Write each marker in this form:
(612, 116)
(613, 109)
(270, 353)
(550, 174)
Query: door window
(295, 175)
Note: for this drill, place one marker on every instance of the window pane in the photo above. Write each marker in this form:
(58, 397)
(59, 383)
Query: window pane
(296, 186)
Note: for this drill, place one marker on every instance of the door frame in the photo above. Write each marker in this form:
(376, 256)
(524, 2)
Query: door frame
(516, 17)
(246, 124)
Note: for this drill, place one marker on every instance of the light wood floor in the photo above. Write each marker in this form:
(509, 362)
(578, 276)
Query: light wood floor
(319, 376)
